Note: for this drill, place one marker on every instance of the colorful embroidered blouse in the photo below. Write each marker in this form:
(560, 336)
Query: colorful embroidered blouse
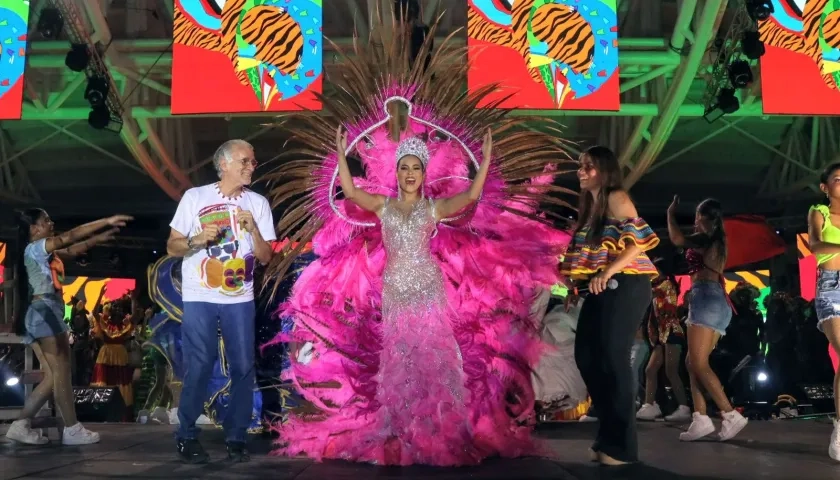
(583, 260)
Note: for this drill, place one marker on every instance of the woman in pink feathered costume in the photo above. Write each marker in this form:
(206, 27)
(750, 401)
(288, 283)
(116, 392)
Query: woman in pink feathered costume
(414, 342)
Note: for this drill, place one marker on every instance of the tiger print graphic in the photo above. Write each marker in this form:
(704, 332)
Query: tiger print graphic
(271, 34)
(568, 35)
(576, 43)
(277, 37)
(819, 36)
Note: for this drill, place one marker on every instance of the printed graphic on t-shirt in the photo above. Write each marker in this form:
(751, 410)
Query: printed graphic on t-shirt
(228, 267)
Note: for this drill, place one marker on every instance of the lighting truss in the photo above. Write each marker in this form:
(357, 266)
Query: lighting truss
(74, 26)
(728, 50)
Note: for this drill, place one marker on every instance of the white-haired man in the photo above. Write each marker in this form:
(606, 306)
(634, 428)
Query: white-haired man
(221, 230)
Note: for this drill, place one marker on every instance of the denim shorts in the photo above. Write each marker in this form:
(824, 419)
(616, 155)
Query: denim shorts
(707, 306)
(827, 302)
(45, 318)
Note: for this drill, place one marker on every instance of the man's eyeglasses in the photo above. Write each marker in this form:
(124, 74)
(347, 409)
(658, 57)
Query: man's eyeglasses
(248, 161)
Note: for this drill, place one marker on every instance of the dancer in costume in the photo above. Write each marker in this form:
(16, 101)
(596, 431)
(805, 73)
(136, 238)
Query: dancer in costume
(825, 244)
(667, 337)
(709, 313)
(414, 334)
(112, 368)
(607, 258)
(39, 318)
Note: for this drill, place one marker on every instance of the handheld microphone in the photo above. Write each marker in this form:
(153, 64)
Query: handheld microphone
(612, 284)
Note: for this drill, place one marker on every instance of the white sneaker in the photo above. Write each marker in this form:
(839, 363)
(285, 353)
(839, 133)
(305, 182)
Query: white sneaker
(20, 431)
(833, 447)
(733, 423)
(681, 414)
(161, 416)
(173, 416)
(79, 435)
(203, 420)
(143, 417)
(701, 426)
(649, 411)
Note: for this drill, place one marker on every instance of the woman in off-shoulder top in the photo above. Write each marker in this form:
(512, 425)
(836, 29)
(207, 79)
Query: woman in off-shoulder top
(607, 260)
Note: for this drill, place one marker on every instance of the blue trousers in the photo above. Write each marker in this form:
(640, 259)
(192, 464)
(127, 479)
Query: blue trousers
(199, 332)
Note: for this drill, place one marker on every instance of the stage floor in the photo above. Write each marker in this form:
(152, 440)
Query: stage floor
(765, 450)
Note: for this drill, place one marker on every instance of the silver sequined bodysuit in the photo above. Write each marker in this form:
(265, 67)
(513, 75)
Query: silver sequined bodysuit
(420, 382)
(412, 278)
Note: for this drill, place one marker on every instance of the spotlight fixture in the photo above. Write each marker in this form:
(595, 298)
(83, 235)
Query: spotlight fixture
(97, 91)
(752, 46)
(760, 10)
(12, 381)
(99, 117)
(77, 58)
(740, 73)
(50, 23)
(725, 103)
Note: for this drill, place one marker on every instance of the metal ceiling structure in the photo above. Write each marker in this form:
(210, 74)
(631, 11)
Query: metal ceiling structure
(52, 157)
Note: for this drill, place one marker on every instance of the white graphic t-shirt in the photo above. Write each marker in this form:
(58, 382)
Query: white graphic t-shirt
(222, 272)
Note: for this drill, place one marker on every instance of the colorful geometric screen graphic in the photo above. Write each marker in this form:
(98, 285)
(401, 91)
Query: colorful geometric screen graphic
(94, 292)
(802, 40)
(545, 54)
(807, 267)
(14, 20)
(241, 56)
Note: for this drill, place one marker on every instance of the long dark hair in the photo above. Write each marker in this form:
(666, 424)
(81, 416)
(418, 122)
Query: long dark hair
(826, 173)
(825, 176)
(592, 212)
(25, 220)
(712, 209)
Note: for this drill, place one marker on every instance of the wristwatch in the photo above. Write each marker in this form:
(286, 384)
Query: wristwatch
(190, 243)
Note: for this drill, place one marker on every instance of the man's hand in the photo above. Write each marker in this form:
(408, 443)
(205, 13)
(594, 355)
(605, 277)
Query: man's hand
(208, 234)
(119, 220)
(246, 220)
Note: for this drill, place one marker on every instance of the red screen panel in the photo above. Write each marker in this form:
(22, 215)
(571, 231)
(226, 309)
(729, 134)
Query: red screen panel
(229, 60)
(800, 70)
(553, 55)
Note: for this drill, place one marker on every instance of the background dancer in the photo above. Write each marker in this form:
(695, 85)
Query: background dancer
(609, 244)
(667, 337)
(39, 318)
(825, 244)
(221, 230)
(709, 313)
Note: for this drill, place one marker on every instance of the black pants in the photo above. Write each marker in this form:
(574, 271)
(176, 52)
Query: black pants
(606, 330)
